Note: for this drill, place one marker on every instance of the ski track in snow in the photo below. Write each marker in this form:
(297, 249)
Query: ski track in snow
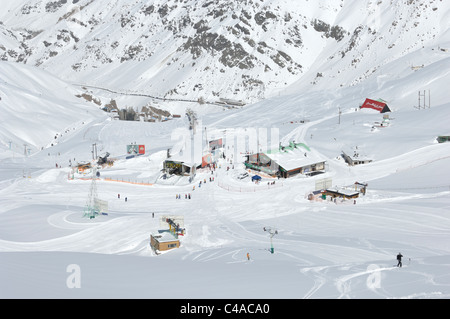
(322, 249)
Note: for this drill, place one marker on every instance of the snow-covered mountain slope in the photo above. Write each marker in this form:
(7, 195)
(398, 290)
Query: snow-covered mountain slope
(245, 50)
(323, 249)
(37, 109)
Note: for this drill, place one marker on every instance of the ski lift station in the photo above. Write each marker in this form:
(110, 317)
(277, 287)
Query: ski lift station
(182, 162)
(180, 167)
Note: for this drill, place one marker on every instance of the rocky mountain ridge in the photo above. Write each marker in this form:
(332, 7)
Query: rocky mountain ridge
(246, 50)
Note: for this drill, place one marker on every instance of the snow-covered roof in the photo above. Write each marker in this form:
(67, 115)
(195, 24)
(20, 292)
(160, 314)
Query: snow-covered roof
(356, 154)
(292, 158)
(343, 191)
(164, 237)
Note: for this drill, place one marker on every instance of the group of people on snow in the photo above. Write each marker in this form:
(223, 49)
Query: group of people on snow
(186, 196)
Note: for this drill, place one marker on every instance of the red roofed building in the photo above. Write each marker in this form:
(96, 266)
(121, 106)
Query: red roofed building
(376, 105)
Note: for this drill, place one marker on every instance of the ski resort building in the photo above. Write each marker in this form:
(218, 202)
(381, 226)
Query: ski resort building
(379, 106)
(262, 163)
(287, 161)
(355, 157)
(164, 241)
(341, 193)
(167, 239)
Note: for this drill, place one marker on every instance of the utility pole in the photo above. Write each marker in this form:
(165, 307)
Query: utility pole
(91, 209)
(340, 115)
(206, 138)
(424, 101)
(420, 95)
(94, 151)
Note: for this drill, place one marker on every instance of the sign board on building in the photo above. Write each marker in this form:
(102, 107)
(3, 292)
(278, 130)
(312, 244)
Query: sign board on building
(376, 105)
(101, 205)
(172, 164)
(135, 149)
(215, 144)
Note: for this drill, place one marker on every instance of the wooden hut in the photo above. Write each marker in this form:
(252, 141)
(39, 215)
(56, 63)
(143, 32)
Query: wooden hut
(164, 241)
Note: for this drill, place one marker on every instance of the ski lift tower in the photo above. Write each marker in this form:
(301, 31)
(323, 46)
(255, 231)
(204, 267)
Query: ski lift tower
(272, 232)
(91, 209)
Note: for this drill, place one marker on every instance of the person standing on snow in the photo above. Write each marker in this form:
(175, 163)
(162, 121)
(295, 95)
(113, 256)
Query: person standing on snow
(248, 256)
(399, 258)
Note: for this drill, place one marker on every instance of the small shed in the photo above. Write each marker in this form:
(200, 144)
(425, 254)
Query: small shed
(164, 241)
(356, 158)
(361, 187)
(379, 106)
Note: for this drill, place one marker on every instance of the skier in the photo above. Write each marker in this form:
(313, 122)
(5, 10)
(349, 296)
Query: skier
(248, 256)
(118, 196)
(126, 199)
(399, 258)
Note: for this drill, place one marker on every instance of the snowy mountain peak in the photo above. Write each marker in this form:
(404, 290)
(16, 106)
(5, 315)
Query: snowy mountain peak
(216, 49)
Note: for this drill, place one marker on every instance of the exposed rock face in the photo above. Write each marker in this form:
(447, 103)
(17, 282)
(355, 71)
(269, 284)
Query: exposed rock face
(203, 49)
